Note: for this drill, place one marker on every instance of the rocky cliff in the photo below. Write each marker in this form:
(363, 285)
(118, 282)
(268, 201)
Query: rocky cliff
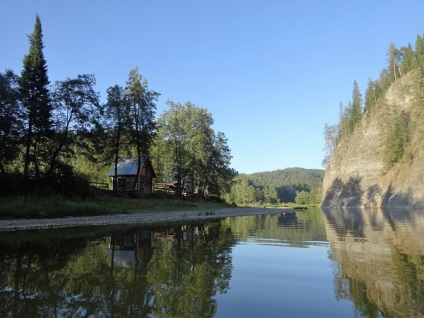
(359, 173)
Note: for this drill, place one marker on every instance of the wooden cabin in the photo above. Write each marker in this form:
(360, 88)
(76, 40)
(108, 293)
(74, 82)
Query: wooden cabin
(127, 173)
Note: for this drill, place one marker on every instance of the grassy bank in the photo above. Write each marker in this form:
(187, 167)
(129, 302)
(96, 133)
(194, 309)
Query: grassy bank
(54, 207)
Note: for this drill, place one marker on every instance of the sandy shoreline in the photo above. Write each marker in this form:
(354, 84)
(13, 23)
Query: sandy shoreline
(135, 218)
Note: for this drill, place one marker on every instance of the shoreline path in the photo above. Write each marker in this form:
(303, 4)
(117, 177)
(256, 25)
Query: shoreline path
(133, 218)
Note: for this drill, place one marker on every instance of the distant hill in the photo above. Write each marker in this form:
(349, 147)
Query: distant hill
(288, 182)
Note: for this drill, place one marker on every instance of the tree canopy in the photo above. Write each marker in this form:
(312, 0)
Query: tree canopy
(35, 99)
(276, 187)
(187, 149)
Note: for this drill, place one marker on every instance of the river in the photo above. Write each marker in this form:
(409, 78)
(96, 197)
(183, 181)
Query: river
(312, 263)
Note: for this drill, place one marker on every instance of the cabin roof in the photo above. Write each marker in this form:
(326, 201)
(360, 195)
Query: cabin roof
(127, 166)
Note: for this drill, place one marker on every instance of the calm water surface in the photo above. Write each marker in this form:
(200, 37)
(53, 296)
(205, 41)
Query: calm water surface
(313, 263)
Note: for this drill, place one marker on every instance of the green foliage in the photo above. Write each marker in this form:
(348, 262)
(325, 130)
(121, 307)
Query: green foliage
(35, 98)
(372, 94)
(54, 206)
(330, 137)
(142, 103)
(302, 197)
(117, 120)
(309, 198)
(63, 133)
(357, 102)
(90, 166)
(11, 123)
(73, 273)
(393, 60)
(409, 61)
(399, 126)
(242, 192)
(397, 139)
(351, 115)
(76, 112)
(187, 150)
(276, 187)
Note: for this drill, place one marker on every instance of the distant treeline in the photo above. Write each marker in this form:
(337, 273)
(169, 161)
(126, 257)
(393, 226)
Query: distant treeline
(400, 126)
(299, 185)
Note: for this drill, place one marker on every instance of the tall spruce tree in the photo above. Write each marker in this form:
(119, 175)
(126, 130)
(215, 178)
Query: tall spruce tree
(419, 51)
(35, 99)
(356, 104)
(370, 95)
(409, 61)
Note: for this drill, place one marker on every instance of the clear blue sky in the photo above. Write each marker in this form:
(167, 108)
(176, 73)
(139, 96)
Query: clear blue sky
(272, 72)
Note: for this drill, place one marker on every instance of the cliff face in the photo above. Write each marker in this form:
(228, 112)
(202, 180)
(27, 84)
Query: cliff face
(358, 174)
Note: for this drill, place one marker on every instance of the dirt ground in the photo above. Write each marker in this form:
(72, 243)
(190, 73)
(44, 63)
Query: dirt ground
(134, 218)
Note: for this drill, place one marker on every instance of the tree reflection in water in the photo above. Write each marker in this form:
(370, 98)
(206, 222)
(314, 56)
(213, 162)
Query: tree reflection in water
(170, 272)
(180, 270)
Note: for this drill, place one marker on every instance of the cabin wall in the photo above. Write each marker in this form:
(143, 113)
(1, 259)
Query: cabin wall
(145, 183)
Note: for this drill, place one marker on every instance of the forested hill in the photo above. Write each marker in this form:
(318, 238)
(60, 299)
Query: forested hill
(280, 186)
(299, 178)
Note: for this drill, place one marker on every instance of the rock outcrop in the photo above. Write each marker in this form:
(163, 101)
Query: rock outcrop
(358, 174)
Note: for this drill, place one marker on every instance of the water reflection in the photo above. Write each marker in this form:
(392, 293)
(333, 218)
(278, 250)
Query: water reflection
(266, 265)
(170, 272)
(379, 260)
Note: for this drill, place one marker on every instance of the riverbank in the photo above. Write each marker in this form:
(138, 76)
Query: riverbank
(134, 218)
(35, 207)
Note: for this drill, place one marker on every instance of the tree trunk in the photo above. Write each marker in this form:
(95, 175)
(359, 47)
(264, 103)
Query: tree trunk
(27, 150)
(115, 178)
(137, 137)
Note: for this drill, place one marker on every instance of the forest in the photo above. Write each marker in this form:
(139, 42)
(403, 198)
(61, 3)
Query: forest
(58, 138)
(302, 186)
(399, 127)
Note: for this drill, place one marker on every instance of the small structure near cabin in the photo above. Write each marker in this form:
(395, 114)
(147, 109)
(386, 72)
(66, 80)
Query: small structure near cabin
(127, 174)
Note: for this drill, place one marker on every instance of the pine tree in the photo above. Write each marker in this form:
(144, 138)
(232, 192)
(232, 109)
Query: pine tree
(370, 95)
(419, 56)
(356, 105)
(409, 61)
(419, 51)
(393, 57)
(35, 100)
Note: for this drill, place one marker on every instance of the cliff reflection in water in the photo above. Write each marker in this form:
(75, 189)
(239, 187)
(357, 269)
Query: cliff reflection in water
(380, 260)
(169, 272)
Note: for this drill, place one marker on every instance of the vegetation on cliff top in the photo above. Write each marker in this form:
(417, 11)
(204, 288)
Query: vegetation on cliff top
(399, 127)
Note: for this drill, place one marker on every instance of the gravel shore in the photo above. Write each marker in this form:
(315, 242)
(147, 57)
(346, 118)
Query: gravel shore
(133, 218)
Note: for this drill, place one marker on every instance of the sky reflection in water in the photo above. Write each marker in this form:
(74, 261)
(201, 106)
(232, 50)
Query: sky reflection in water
(314, 263)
